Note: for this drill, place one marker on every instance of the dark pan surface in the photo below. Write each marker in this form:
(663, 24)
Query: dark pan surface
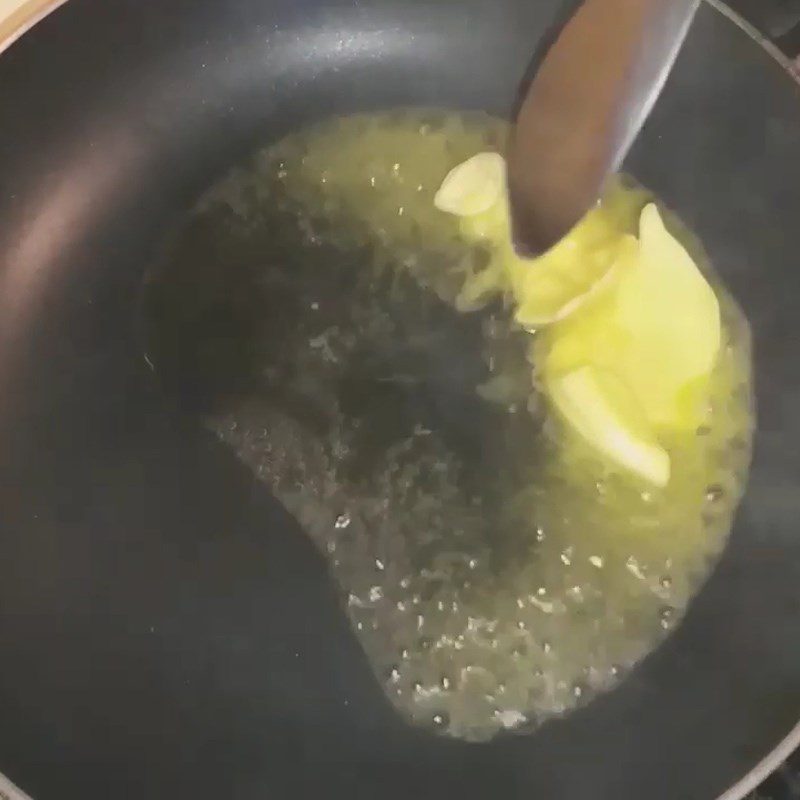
(167, 631)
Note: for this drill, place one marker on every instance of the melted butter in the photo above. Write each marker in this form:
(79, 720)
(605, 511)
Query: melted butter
(495, 577)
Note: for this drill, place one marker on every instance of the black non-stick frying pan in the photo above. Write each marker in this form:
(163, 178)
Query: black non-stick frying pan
(167, 631)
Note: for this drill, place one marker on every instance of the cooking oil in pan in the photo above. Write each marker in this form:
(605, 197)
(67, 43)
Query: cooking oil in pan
(307, 310)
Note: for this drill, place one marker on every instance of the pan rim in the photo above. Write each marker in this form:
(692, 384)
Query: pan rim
(23, 18)
(31, 12)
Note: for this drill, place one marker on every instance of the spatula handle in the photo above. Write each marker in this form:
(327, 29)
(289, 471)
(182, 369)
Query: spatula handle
(593, 89)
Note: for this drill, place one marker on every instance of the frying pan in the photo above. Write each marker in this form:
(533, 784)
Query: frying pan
(167, 630)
